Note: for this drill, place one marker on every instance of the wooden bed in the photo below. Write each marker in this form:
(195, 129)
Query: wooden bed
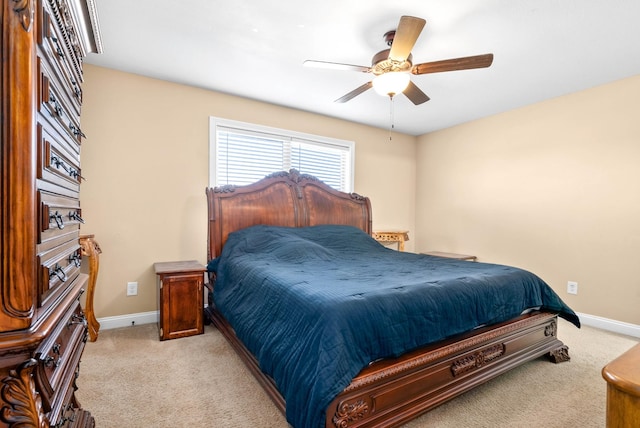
(388, 392)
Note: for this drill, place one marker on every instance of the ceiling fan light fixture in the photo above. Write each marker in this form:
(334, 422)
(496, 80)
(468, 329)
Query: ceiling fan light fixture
(391, 83)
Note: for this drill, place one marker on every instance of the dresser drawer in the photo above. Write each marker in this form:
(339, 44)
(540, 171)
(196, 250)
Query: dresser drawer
(60, 219)
(57, 163)
(59, 358)
(52, 45)
(54, 105)
(59, 267)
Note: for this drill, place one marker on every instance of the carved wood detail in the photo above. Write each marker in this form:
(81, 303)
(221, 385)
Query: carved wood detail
(439, 353)
(349, 412)
(477, 359)
(62, 13)
(25, 9)
(17, 201)
(560, 355)
(91, 249)
(293, 175)
(551, 329)
(226, 188)
(21, 402)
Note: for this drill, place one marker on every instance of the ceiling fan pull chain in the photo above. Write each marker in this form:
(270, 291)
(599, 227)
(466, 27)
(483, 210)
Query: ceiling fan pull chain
(391, 115)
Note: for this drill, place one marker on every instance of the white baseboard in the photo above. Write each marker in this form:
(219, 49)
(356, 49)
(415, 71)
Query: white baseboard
(610, 325)
(619, 327)
(107, 323)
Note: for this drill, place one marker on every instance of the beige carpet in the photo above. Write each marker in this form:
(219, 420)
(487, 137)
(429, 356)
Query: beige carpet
(128, 378)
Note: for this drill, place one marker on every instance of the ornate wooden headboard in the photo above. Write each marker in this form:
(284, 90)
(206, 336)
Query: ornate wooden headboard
(281, 199)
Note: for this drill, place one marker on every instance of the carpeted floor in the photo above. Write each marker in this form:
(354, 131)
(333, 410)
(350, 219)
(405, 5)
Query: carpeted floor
(128, 378)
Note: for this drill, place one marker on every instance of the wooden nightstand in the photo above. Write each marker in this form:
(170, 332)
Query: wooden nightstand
(451, 255)
(180, 298)
(387, 236)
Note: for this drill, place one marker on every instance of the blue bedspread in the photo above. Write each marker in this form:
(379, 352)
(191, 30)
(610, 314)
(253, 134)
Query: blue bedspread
(316, 305)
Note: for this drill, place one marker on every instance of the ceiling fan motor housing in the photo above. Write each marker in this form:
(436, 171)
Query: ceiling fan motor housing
(380, 63)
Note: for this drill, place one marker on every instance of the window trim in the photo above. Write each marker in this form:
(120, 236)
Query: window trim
(215, 122)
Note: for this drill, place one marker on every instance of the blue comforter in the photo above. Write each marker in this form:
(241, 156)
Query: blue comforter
(316, 305)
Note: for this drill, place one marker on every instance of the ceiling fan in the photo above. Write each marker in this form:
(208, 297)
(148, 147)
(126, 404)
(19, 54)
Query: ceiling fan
(392, 67)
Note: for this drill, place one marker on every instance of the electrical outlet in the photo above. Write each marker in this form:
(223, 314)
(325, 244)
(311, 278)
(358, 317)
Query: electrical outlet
(572, 287)
(132, 288)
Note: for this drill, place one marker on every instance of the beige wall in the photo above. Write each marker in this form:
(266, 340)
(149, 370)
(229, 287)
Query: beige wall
(553, 187)
(145, 161)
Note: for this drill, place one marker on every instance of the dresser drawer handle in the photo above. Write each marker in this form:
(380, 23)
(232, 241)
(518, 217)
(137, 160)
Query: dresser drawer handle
(76, 89)
(73, 173)
(56, 106)
(75, 259)
(76, 131)
(59, 272)
(58, 219)
(73, 215)
(77, 319)
(63, 421)
(52, 362)
(58, 163)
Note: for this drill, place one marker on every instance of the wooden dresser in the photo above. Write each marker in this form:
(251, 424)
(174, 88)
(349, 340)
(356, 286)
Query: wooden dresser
(43, 329)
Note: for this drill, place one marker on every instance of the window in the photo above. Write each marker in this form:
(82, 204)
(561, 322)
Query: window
(243, 153)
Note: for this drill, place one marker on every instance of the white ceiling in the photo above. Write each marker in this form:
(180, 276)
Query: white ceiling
(255, 49)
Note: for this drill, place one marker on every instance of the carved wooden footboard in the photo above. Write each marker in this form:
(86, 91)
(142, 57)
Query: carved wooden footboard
(391, 392)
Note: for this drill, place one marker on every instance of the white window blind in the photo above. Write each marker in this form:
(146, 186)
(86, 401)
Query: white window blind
(242, 153)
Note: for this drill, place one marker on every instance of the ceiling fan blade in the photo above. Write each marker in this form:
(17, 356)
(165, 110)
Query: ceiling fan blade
(336, 66)
(406, 35)
(354, 93)
(465, 63)
(415, 95)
